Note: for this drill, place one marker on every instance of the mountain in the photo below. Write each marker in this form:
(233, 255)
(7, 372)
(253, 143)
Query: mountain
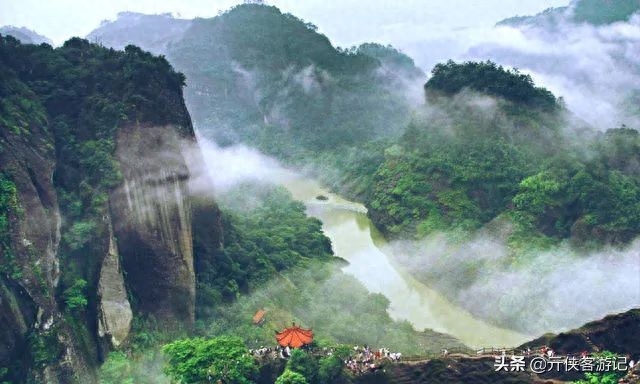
(260, 76)
(459, 161)
(93, 183)
(111, 241)
(152, 33)
(26, 36)
(594, 12)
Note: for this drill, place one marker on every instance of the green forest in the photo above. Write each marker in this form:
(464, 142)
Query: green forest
(490, 143)
(470, 148)
(512, 160)
(278, 84)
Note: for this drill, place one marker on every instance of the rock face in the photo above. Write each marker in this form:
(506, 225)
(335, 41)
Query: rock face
(149, 252)
(152, 221)
(30, 256)
(115, 313)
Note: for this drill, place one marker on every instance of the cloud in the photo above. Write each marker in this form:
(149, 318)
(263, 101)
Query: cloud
(593, 68)
(215, 170)
(548, 291)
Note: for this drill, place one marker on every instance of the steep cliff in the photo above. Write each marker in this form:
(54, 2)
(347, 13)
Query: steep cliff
(95, 213)
(152, 217)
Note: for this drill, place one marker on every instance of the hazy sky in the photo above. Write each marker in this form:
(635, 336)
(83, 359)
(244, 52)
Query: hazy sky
(347, 22)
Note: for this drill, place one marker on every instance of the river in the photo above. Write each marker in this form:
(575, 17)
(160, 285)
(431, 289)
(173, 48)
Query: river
(355, 239)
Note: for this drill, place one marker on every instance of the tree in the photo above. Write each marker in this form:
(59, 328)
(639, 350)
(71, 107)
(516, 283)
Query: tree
(610, 377)
(330, 369)
(116, 369)
(304, 364)
(291, 377)
(74, 296)
(199, 360)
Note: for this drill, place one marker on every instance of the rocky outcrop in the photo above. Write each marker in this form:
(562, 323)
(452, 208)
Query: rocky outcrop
(618, 333)
(450, 371)
(115, 313)
(30, 263)
(17, 316)
(632, 377)
(151, 218)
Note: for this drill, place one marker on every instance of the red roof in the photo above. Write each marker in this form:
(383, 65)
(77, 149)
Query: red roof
(294, 337)
(257, 318)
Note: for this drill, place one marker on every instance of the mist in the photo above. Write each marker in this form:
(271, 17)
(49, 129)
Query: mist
(549, 291)
(596, 70)
(217, 170)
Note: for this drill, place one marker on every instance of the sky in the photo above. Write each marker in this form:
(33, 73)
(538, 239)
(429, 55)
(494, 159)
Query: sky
(410, 25)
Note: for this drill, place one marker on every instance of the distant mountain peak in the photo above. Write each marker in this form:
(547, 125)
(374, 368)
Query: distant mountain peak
(25, 35)
(594, 12)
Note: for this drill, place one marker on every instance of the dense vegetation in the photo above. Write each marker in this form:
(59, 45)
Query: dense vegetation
(490, 79)
(200, 360)
(266, 232)
(9, 206)
(470, 159)
(458, 164)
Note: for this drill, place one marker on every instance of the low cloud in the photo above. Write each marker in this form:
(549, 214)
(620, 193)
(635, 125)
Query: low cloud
(593, 68)
(548, 291)
(215, 170)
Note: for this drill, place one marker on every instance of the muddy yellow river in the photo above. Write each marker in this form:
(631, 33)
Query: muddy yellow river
(355, 239)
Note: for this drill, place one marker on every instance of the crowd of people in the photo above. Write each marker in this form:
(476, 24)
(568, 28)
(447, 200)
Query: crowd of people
(363, 359)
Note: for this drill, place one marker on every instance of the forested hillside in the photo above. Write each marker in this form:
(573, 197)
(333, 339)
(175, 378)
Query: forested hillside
(472, 158)
(109, 253)
(257, 75)
(488, 143)
(105, 247)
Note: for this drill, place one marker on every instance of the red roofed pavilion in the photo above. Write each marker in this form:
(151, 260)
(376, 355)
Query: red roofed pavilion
(294, 337)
